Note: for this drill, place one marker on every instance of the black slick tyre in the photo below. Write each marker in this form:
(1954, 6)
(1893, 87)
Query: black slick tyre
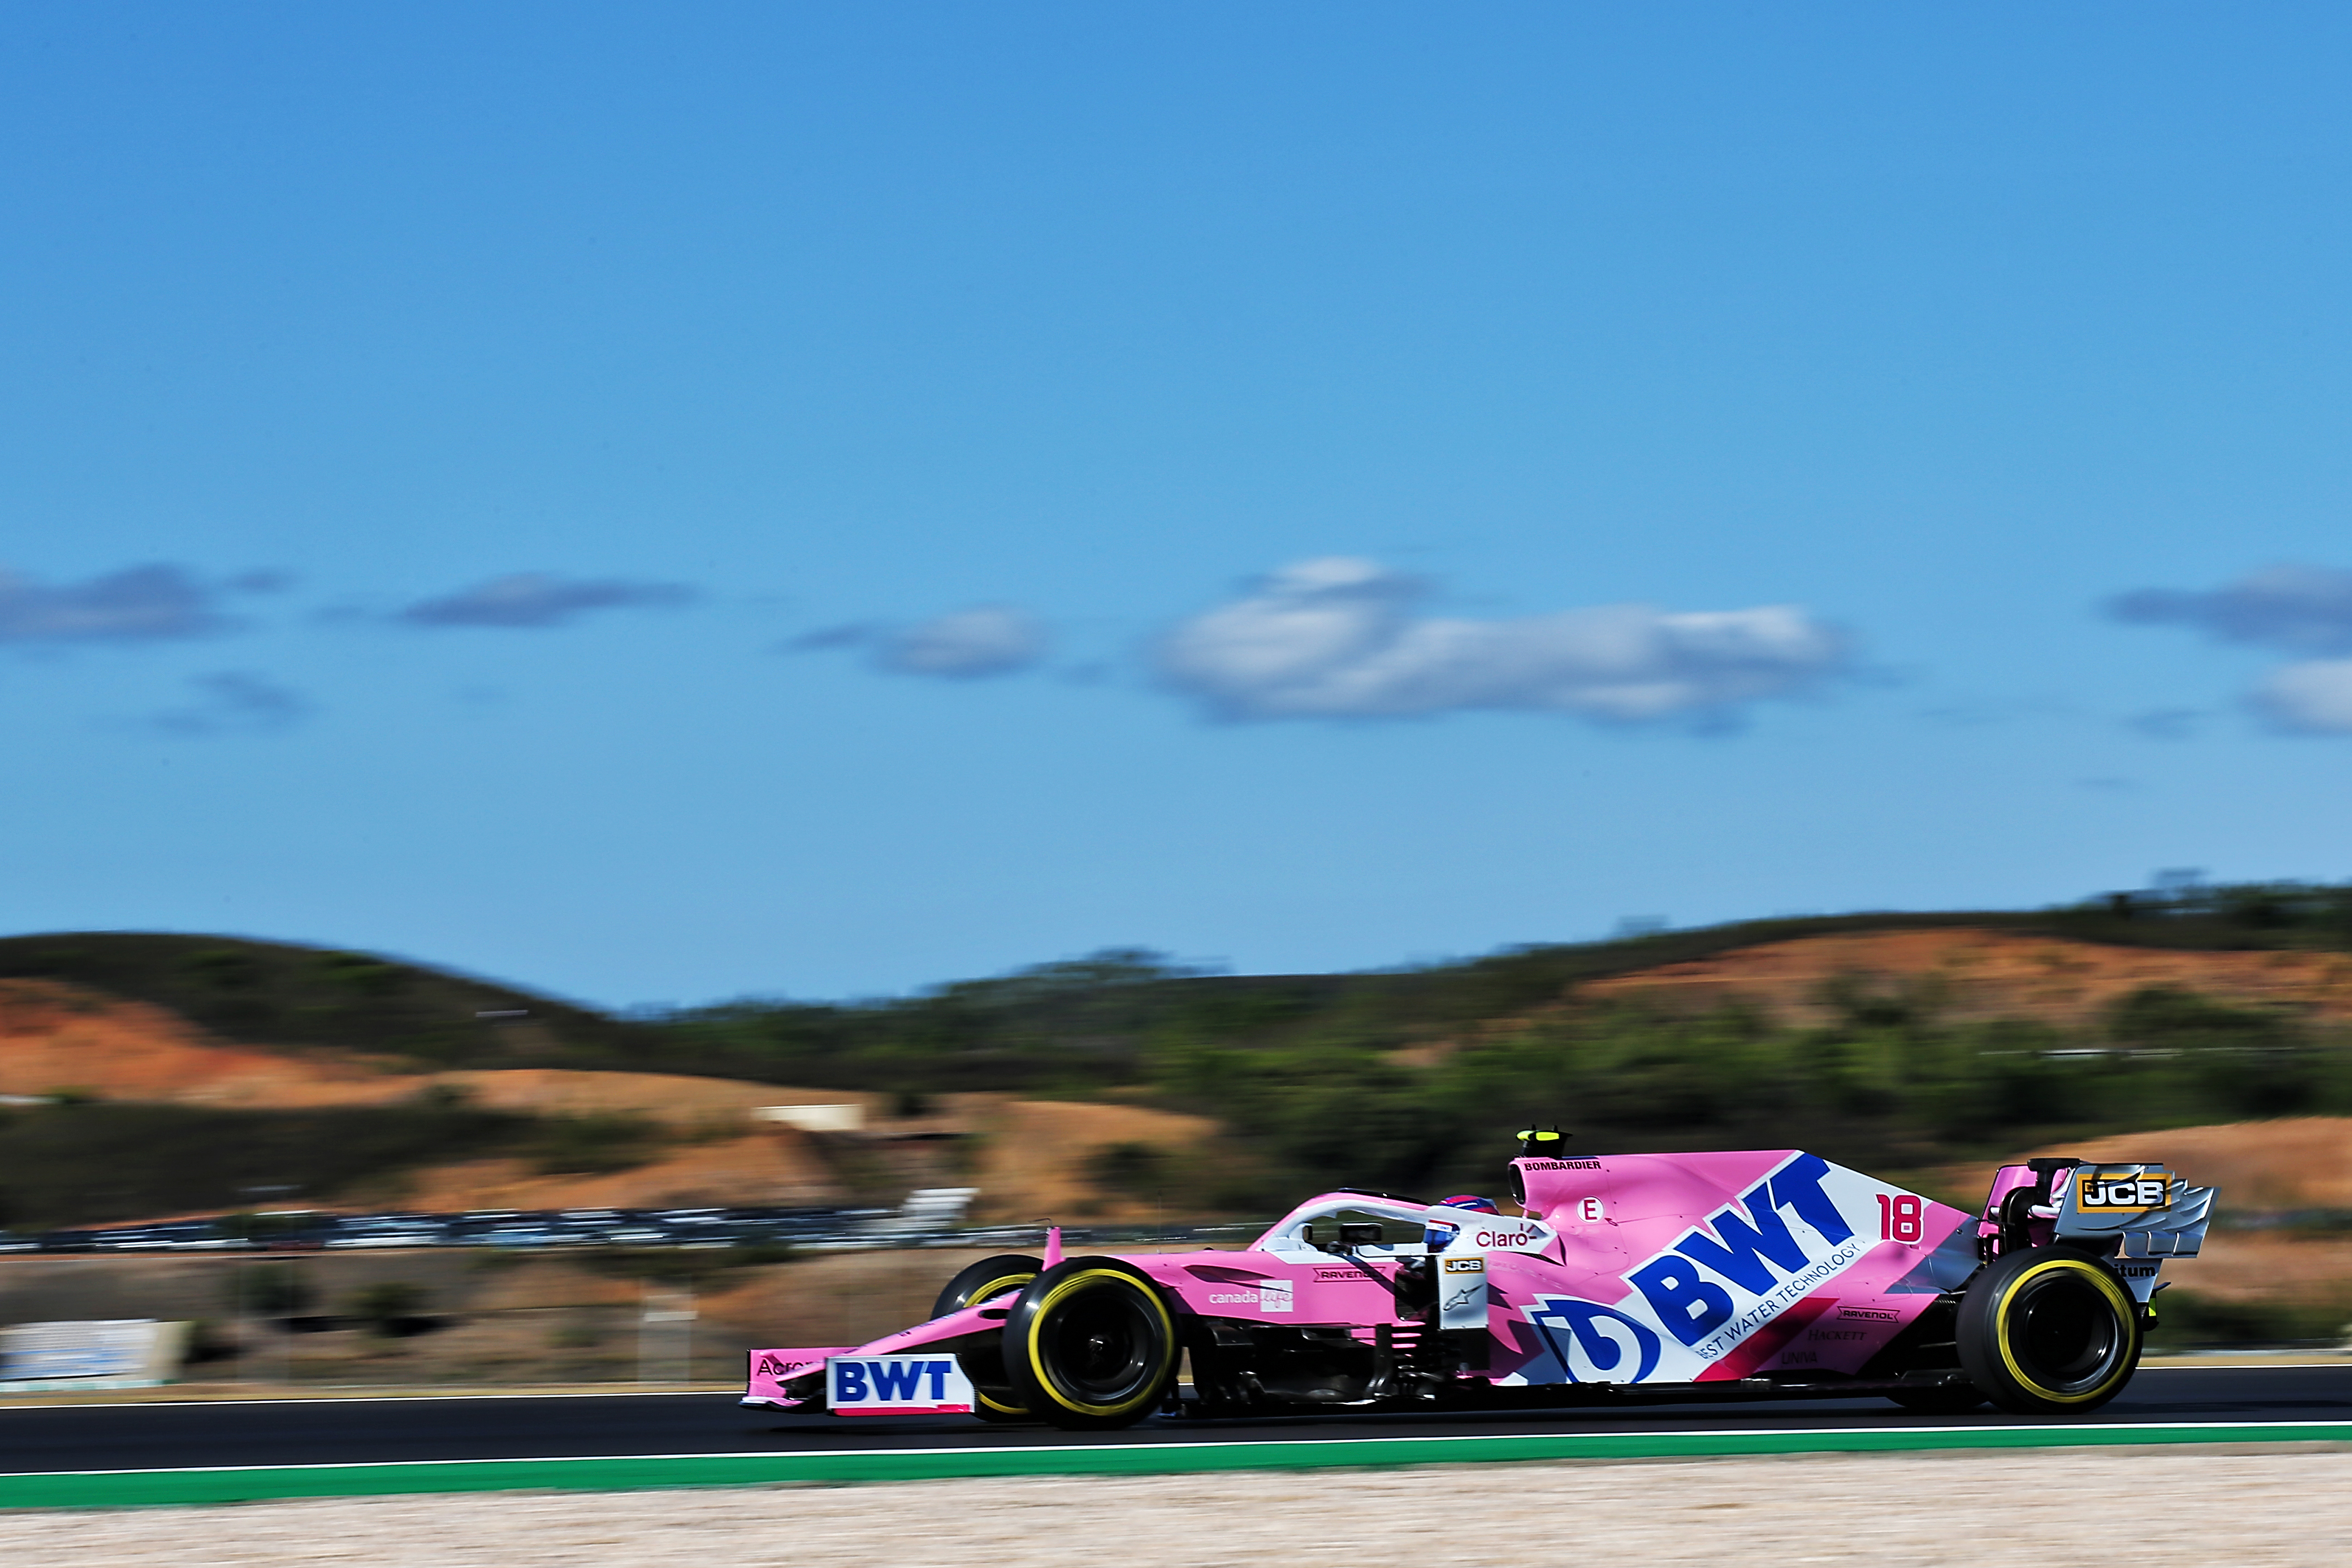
(1090, 1344)
(2049, 1331)
(992, 1398)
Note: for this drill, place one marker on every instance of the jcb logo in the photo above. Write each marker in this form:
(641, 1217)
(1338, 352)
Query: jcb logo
(1465, 1264)
(2096, 1190)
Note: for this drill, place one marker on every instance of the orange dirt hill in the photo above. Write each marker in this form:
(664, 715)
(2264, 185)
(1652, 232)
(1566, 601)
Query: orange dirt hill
(2300, 1162)
(1973, 974)
(1028, 1158)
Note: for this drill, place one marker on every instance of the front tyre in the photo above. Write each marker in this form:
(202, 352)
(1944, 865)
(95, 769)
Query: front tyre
(1090, 1344)
(992, 1398)
(2048, 1331)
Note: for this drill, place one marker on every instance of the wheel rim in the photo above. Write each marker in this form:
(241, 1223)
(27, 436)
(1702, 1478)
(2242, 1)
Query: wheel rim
(2064, 1333)
(1098, 1344)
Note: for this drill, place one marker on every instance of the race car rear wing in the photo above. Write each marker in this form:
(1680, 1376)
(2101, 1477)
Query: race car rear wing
(2149, 1207)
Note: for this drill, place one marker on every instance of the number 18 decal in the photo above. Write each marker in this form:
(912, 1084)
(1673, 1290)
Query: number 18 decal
(1899, 1218)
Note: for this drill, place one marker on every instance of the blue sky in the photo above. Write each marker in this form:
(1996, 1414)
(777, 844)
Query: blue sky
(664, 504)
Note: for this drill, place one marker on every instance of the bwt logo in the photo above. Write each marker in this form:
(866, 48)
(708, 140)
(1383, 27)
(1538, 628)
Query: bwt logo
(1751, 1250)
(1596, 1343)
(855, 1382)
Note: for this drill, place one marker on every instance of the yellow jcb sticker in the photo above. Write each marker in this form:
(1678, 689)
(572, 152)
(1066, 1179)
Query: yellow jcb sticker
(2109, 1191)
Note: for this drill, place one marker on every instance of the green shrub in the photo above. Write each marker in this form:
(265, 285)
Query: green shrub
(388, 1307)
(595, 1145)
(2186, 1321)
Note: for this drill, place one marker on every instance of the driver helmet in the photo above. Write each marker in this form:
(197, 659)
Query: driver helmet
(1436, 1234)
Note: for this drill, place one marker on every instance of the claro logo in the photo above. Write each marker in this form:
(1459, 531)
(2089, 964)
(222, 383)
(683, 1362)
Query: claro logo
(1507, 1239)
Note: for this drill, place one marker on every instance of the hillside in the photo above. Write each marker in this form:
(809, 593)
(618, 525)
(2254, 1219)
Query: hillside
(1081, 1022)
(1976, 975)
(2297, 1167)
(280, 995)
(1903, 1043)
(183, 1121)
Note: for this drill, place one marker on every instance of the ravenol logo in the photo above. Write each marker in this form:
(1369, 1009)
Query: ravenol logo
(896, 1385)
(2123, 1190)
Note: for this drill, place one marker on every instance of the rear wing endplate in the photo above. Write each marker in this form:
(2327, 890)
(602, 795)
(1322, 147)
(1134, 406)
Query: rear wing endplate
(2154, 1212)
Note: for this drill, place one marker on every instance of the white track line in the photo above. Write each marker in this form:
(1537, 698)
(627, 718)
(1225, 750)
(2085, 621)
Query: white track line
(1216, 1445)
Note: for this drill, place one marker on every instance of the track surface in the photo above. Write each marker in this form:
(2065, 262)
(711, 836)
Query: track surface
(139, 1437)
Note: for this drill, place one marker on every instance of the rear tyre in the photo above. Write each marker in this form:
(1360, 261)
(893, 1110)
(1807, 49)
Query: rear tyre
(1090, 1344)
(1940, 1398)
(992, 1398)
(2048, 1331)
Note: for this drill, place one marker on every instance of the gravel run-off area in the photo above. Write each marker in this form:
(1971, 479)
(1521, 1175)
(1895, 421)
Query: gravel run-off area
(2150, 1507)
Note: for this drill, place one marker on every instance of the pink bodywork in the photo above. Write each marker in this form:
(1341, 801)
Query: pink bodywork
(2039, 1227)
(1642, 1204)
(1589, 1224)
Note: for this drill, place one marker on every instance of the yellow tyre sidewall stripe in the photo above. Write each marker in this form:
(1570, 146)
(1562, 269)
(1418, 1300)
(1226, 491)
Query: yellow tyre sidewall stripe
(1070, 1286)
(998, 1288)
(2106, 1285)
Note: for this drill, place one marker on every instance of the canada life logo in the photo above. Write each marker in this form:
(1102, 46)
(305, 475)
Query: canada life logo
(1267, 1296)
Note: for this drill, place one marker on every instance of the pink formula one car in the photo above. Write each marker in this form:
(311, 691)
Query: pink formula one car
(1770, 1273)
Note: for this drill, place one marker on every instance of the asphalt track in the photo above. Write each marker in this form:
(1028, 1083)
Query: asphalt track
(37, 1440)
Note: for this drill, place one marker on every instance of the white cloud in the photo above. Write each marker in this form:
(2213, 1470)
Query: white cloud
(141, 604)
(2313, 698)
(235, 702)
(2304, 609)
(537, 599)
(987, 639)
(2299, 608)
(1337, 637)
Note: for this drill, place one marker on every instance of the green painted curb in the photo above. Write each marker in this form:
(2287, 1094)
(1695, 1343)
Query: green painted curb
(137, 1488)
